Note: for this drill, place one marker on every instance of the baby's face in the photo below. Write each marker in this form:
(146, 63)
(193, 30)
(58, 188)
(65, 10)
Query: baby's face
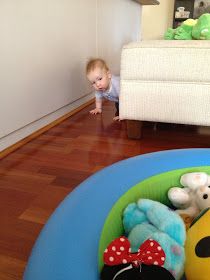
(100, 79)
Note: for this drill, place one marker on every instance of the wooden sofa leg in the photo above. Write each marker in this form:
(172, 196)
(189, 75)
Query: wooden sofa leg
(134, 129)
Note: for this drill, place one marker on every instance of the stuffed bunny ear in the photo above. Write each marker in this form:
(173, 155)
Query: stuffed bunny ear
(194, 179)
(208, 180)
(179, 197)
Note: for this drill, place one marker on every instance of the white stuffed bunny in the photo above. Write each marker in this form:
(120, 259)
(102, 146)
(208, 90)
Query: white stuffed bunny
(194, 197)
(195, 179)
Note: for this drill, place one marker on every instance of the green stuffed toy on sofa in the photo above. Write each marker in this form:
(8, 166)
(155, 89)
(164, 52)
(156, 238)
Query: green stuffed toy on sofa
(201, 31)
(182, 32)
(191, 29)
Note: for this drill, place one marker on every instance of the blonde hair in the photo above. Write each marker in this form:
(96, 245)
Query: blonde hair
(94, 63)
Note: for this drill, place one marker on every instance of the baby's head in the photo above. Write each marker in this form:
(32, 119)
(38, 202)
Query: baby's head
(98, 74)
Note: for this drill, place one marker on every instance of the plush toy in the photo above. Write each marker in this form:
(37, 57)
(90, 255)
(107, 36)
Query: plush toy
(194, 197)
(151, 219)
(193, 180)
(187, 220)
(169, 34)
(201, 31)
(146, 263)
(182, 32)
(191, 29)
(197, 248)
(128, 272)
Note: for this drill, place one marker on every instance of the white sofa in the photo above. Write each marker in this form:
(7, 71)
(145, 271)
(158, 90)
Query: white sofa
(165, 81)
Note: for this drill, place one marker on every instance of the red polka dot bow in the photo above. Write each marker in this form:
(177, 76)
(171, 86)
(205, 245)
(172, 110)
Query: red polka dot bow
(119, 252)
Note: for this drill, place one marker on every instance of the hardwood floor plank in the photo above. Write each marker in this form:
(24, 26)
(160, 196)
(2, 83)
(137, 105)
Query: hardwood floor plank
(11, 268)
(66, 177)
(17, 237)
(14, 202)
(42, 207)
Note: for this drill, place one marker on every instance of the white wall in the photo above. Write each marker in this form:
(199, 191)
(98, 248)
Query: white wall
(156, 19)
(118, 24)
(44, 48)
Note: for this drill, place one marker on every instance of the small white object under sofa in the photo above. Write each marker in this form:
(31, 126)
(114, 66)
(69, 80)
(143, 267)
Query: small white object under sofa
(165, 81)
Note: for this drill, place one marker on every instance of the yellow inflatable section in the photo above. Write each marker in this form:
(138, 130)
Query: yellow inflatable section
(197, 248)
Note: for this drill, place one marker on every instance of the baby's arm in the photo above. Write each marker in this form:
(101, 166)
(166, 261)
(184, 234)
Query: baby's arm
(98, 109)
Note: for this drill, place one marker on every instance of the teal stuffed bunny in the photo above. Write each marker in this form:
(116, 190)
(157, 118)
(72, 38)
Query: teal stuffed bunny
(151, 219)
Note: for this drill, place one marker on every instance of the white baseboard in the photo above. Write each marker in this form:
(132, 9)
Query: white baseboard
(18, 135)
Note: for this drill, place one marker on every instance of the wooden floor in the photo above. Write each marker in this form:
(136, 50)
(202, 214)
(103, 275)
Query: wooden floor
(35, 178)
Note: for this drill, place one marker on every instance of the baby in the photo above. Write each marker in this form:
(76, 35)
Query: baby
(105, 84)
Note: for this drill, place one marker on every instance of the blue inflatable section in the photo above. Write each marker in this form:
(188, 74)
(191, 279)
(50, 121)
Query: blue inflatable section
(67, 247)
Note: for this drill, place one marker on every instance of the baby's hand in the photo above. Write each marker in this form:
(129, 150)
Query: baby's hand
(117, 118)
(96, 111)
